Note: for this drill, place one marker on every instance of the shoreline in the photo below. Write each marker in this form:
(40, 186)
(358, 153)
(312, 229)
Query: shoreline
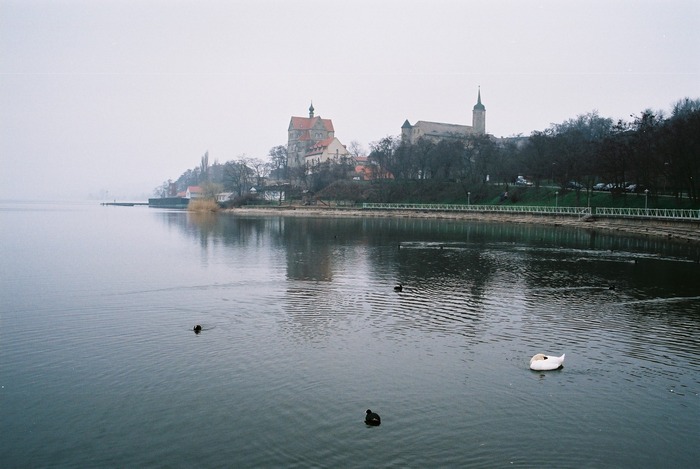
(681, 232)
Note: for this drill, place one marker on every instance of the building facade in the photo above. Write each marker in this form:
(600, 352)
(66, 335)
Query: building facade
(305, 133)
(325, 150)
(437, 131)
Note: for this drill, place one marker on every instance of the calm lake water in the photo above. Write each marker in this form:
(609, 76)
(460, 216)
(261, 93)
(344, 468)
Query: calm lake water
(302, 332)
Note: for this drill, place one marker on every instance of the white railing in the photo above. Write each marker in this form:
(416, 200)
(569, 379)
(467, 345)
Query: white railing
(655, 213)
(608, 212)
(527, 210)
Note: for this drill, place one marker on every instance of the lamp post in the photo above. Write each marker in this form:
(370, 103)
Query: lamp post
(556, 199)
(469, 198)
(646, 198)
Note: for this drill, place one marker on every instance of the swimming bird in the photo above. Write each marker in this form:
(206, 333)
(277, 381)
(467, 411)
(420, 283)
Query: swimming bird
(398, 287)
(197, 329)
(542, 362)
(372, 419)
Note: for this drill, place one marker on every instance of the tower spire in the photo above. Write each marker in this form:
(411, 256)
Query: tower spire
(311, 110)
(478, 106)
(479, 116)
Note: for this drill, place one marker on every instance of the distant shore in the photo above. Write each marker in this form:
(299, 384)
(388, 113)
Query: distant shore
(685, 232)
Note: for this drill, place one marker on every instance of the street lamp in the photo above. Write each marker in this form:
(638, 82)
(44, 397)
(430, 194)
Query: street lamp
(556, 199)
(646, 198)
(469, 198)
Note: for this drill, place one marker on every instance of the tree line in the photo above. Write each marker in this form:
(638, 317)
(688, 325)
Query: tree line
(652, 151)
(237, 176)
(657, 152)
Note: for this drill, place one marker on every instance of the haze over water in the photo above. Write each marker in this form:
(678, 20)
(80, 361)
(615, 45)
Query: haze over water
(302, 332)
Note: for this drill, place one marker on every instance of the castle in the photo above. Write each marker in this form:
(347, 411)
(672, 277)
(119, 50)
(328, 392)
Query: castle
(437, 131)
(311, 140)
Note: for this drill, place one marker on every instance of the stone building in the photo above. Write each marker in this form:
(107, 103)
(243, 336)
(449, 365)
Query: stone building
(304, 134)
(437, 131)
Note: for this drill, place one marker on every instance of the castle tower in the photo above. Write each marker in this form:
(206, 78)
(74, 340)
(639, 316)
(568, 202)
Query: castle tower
(406, 131)
(479, 117)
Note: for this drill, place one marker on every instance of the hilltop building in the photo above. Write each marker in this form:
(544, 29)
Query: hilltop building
(437, 131)
(311, 140)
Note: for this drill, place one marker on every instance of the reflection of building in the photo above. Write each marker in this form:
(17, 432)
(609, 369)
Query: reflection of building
(437, 131)
(312, 140)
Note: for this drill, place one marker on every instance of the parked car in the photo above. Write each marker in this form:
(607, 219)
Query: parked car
(635, 188)
(521, 181)
(599, 187)
(574, 185)
(614, 187)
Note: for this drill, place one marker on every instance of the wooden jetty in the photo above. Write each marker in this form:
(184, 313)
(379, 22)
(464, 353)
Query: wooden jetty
(124, 204)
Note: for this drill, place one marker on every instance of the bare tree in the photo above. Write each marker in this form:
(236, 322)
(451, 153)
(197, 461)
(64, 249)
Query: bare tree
(279, 161)
(261, 170)
(204, 168)
(238, 176)
(356, 150)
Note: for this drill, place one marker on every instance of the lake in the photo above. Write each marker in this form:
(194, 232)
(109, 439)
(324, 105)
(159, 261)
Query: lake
(303, 332)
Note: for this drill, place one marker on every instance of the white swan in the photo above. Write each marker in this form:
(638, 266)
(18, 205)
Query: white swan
(542, 362)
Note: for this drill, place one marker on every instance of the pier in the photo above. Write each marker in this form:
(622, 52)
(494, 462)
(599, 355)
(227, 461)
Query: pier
(123, 204)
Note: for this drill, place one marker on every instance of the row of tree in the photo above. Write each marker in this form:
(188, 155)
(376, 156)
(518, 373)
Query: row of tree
(238, 176)
(656, 152)
(241, 174)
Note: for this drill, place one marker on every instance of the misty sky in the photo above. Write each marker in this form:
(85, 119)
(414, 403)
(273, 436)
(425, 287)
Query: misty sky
(121, 95)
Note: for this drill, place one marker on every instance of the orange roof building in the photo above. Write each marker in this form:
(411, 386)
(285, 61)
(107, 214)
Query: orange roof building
(324, 150)
(304, 134)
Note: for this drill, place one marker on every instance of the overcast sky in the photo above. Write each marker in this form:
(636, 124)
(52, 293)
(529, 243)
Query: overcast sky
(120, 95)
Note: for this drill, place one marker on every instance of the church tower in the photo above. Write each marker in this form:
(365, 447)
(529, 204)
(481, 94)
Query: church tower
(479, 117)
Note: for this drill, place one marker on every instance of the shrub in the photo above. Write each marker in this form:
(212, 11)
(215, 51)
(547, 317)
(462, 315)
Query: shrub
(203, 205)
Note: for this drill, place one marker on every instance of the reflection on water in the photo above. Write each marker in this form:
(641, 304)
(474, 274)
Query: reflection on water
(302, 332)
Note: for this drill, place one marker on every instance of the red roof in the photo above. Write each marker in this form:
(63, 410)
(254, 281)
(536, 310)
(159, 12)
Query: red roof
(306, 123)
(321, 144)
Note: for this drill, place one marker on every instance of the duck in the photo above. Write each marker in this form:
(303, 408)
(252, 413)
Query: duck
(372, 418)
(197, 329)
(542, 362)
(398, 287)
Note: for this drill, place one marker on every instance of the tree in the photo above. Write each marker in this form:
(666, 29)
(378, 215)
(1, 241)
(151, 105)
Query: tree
(383, 155)
(681, 148)
(328, 172)
(211, 189)
(647, 164)
(537, 159)
(204, 168)
(576, 142)
(260, 169)
(279, 160)
(449, 160)
(238, 176)
(356, 150)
